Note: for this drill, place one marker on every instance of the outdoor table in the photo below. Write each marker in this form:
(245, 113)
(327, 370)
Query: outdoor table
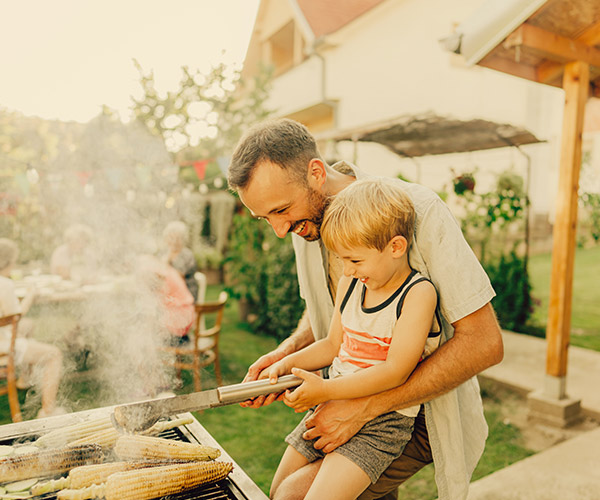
(52, 288)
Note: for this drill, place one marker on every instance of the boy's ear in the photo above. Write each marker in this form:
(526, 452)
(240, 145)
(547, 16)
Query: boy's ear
(399, 246)
(316, 172)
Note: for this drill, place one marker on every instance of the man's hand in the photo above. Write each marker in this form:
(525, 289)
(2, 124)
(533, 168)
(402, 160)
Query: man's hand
(335, 422)
(258, 370)
(311, 392)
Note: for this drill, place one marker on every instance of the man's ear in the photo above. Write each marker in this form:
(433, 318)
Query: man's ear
(399, 246)
(317, 174)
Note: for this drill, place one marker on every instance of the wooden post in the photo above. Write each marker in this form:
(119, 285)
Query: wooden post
(576, 87)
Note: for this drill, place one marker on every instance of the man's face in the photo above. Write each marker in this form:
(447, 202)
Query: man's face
(285, 203)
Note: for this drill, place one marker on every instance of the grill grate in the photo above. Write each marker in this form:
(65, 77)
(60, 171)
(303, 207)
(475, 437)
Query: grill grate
(223, 490)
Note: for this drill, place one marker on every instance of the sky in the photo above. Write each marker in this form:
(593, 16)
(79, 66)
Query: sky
(64, 59)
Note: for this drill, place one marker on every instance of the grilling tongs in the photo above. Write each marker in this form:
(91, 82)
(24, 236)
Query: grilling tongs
(137, 417)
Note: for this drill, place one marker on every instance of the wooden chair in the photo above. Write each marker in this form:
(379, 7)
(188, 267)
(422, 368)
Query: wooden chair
(8, 376)
(203, 348)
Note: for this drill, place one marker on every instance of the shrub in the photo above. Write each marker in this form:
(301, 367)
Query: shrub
(510, 279)
(261, 272)
(281, 306)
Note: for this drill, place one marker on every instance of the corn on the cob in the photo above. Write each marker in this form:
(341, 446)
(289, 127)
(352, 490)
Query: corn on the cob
(108, 437)
(87, 475)
(136, 447)
(93, 491)
(155, 482)
(60, 437)
(49, 462)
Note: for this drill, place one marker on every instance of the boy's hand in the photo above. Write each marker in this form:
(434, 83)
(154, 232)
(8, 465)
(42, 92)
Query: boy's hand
(313, 391)
(276, 370)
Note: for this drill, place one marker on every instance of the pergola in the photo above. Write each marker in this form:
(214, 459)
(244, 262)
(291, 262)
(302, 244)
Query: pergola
(552, 42)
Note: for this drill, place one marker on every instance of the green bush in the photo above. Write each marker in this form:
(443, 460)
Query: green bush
(260, 270)
(281, 307)
(510, 279)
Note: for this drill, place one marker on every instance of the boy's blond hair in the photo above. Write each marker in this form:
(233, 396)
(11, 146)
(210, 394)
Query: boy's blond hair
(368, 213)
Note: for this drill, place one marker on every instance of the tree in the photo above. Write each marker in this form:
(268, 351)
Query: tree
(206, 115)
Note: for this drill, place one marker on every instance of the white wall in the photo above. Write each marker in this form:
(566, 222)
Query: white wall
(389, 63)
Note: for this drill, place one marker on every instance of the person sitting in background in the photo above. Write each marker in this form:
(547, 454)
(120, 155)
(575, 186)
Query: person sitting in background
(179, 255)
(74, 259)
(177, 312)
(43, 361)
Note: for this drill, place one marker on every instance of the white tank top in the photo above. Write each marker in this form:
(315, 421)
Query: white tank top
(367, 331)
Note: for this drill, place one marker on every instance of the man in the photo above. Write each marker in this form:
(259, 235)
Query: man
(280, 176)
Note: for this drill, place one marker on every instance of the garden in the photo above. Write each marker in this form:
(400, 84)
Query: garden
(96, 174)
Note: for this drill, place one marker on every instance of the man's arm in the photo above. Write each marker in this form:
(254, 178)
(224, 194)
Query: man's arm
(475, 346)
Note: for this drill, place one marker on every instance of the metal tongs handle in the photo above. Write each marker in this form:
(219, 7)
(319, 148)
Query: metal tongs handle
(237, 393)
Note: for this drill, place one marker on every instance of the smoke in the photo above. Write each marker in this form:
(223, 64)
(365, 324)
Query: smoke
(111, 333)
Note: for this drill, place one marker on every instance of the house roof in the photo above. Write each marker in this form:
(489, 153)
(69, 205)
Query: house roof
(532, 39)
(431, 134)
(327, 17)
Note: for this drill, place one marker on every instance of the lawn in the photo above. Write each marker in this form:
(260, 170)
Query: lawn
(585, 316)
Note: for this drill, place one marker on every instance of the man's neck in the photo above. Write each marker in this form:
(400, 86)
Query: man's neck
(336, 181)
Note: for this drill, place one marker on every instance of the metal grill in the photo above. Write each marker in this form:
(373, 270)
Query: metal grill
(238, 486)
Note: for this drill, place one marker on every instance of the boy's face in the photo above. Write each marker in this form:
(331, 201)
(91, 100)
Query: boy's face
(286, 204)
(377, 270)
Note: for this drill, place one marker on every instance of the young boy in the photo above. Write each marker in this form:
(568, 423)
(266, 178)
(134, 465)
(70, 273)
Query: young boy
(384, 323)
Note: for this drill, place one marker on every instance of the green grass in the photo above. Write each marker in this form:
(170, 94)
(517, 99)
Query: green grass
(255, 437)
(585, 315)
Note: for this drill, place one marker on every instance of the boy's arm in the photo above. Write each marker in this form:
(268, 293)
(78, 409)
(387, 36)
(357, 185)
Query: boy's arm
(319, 354)
(406, 348)
(476, 345)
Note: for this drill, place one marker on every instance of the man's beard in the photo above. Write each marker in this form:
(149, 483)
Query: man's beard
(317, 204)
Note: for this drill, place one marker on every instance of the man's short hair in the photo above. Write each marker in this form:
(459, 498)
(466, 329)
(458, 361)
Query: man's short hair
(284, 142)
(368, 213)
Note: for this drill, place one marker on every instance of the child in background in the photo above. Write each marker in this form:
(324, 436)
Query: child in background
(384, 323)
(42, 361)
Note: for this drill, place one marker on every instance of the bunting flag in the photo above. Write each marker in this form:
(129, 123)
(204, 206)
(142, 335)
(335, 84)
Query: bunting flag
(200, 168)
(83, 176)
(8, 204)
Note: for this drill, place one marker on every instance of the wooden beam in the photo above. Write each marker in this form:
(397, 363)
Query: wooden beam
(575, 84)
(508, 66)
(550, 70)
(552, 46)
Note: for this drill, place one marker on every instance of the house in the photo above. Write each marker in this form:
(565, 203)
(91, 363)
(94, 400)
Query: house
(346, 67)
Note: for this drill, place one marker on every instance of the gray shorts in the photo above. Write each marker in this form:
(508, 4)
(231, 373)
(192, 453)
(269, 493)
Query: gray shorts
(373, 448)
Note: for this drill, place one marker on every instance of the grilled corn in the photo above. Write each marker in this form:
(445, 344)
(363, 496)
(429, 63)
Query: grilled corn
(48, 462)
(108, 437)
(87, 475)
(135, 447)
(155, 482)
(60, 437)
(93, 491)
